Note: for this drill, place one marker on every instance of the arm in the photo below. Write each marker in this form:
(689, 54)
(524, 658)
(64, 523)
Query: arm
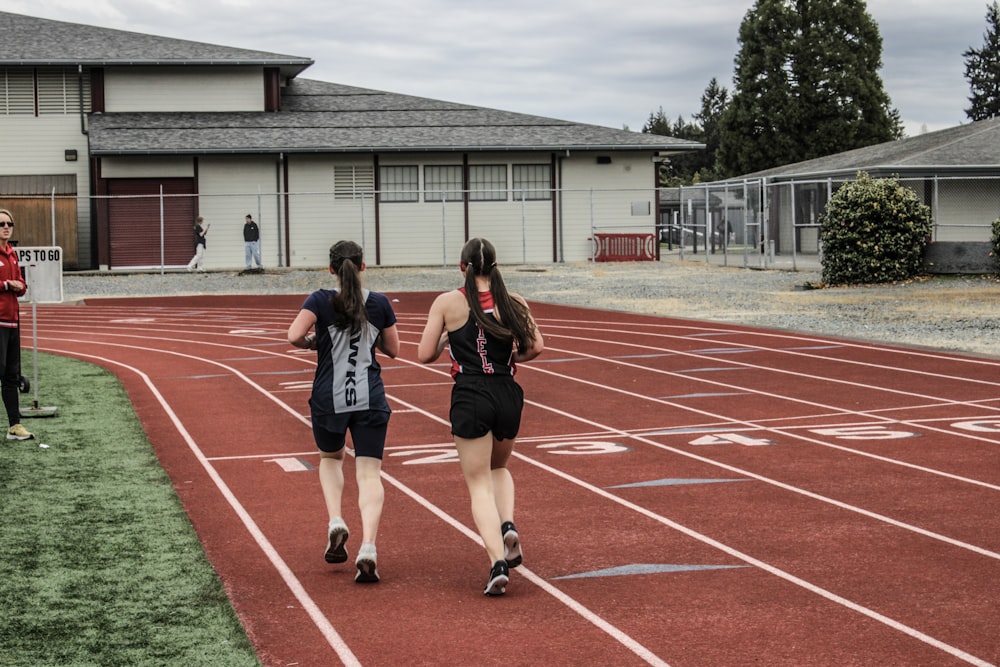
(16, 285)
(298, 331)
(435, 335)
(537, 345)
(388, 341)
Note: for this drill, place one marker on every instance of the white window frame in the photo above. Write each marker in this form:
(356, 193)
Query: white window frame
(531, 181)
(443, 181)
(488, 182)
(399, 183)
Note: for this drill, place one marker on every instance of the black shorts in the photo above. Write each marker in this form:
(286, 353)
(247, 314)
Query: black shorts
(368, 430)
(481, 404)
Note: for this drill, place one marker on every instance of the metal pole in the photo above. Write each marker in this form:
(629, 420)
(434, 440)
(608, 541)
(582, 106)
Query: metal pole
(593, 235)
(163, 249)
(53, 215)
(444, 231)
(765, 220)
(795, 228)
(725, 225)
(524, 233)
(260, 221)
(746, 214)
(708, 231)
(937, 210)
(363, 244)
(34, 347)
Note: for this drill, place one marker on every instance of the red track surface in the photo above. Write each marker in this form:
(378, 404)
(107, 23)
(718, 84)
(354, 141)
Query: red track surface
(688, 493)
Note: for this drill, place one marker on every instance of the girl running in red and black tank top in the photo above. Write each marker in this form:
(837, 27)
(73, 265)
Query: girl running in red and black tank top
(477, 352)
(488, 330)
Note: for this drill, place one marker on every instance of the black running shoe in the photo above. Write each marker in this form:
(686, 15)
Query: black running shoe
(499, 576)
(511, 544)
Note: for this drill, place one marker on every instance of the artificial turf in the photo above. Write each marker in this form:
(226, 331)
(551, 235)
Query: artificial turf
(99, 564)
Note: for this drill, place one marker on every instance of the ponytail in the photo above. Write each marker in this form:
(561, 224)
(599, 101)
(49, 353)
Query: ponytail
(511, 318)
(346, 258)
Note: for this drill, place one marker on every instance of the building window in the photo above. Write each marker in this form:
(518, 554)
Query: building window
(443, 183)
(353, 182)
(17, 92)
(43, 91)
(532, 181)
(399, 184)
(488, 182)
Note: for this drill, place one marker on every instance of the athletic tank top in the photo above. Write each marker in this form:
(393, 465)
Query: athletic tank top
(348, 376)
(476, 352)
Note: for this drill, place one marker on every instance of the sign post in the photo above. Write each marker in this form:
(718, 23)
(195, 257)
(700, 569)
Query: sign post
(42, 267)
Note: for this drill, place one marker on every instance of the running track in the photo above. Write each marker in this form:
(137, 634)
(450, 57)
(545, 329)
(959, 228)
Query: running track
(688, 493)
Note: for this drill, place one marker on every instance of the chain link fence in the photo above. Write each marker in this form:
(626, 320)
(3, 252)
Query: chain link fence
(755, 222)
(749, 223)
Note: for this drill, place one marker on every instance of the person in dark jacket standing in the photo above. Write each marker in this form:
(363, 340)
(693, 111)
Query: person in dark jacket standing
(13, 286)
(251, 241)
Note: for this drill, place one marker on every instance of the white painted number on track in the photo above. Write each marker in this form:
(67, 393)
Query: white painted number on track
(871, 432)
(731, 439)
(291, 464)
(429, 456)
(298, 384)
(981, 425)
(585, 447)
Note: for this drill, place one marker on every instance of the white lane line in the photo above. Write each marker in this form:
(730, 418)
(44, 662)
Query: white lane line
(322, 623)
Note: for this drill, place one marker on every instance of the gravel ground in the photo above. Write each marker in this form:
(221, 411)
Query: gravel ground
(956, 313)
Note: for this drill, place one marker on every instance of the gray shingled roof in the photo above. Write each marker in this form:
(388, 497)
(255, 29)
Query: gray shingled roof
(969, 148)
(40, 42)
(327, 117)
(315, 116)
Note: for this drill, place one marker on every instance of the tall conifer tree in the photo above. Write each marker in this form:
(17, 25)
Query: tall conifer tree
(806, 85)
(982, 69)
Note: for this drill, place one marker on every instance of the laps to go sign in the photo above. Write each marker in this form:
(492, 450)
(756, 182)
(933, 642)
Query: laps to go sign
(42, 267)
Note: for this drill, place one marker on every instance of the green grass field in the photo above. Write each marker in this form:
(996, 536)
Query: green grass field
(99, 565)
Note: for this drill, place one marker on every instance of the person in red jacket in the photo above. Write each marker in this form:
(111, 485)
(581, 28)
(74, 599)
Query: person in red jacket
(12, 286)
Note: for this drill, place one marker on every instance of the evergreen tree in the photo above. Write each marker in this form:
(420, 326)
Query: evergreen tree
(982, 69)
(658, 123)
(681, 168)
(693, 166)
(714, 101)
(806, 85)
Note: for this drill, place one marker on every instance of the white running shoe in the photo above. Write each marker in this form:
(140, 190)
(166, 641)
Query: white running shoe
(337, 536)
(366, 563)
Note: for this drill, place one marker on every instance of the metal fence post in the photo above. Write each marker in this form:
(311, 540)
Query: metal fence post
(163, 250)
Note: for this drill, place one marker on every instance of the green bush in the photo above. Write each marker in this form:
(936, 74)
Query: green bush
(996, 243)
(873, 231)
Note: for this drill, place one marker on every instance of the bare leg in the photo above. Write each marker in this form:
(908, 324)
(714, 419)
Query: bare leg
(331, 480)
(371, 495)
(503, 483)
(474, 458)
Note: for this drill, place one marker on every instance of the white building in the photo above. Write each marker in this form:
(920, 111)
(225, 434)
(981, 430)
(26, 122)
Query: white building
(115, 141)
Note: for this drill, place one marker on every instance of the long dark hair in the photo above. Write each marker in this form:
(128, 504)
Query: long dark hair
(346, 258)
(511, 318)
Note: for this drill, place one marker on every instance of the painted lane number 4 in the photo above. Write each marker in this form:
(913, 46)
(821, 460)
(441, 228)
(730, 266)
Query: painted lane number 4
(869, 432)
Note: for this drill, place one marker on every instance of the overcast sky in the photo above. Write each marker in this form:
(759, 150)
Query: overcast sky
(606, 62)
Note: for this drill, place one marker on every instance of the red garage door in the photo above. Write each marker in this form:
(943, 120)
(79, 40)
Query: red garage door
(135, 229)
